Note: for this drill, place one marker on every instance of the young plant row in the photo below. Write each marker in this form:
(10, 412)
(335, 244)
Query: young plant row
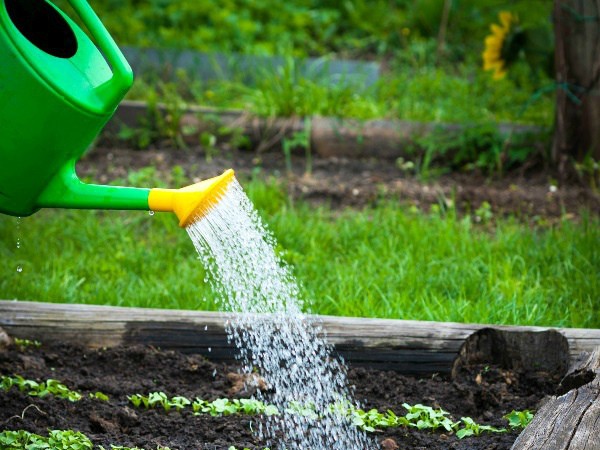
(418, 416)
(58, 440)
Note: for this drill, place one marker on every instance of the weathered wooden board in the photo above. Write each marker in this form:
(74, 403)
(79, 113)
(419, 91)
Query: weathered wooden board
(329, 136)
(402, 345)
(570, 421)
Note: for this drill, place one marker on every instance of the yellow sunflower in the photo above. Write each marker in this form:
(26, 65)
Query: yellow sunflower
(492, 55)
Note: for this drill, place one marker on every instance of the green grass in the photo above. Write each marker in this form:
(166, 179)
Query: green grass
(381, 262)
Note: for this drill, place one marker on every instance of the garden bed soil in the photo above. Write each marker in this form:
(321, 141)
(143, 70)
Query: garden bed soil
(482, 392)
(345, 182)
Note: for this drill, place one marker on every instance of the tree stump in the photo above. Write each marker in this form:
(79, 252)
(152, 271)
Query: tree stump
(570, 421)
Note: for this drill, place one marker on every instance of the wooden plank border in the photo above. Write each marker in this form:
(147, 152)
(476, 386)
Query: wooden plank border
(403, 345)
(329, 136)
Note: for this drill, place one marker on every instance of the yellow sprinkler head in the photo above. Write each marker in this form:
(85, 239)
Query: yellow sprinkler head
(192, 202)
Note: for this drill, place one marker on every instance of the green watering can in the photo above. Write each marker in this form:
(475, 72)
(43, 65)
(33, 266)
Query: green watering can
(57, 91)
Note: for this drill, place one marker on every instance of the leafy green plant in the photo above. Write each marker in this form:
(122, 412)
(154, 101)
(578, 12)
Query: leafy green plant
(99, 396)
(300, 139)
(418, 416)
(484, 213)
(72, 440)
(218, 407)
(41, 389)
(470, 428)
(519, 419)
(223, 406)
(159, 399)
(56, 440)
(19, 440)
(23, 344)
(426, 417)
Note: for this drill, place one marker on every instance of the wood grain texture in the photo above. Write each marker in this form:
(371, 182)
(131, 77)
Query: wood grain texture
(402, 345)
(570, 421)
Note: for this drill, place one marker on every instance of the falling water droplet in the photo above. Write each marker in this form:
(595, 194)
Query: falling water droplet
(19, 268)
(271, 333)
(205, 327)
(209, 349)
(150, 213)
(18, 232)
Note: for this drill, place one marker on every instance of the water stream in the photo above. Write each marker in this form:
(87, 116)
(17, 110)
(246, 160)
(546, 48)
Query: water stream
(275, 338)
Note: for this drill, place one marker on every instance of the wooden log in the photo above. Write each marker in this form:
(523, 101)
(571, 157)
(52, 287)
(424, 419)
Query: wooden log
(523, 351)
(329, 136)
(570, 421)
(402, 345)
(264, 134)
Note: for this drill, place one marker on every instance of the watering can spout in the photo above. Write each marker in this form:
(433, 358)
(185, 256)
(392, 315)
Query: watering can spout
(190, 203)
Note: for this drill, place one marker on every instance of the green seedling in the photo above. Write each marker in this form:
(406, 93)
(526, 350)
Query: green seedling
(474, 429)
(369, 420)
(23, 344)
(18, 440)
(56, 440)
(138, 400)
(222, 406)
(158, 399)
(99, 396)
(302, 410)
(71, 440)
(418, 416)
(179, 403)
(35, 389)
(519, 419)
(425, 417)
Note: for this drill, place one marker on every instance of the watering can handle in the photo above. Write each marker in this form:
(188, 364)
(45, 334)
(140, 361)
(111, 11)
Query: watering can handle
(114, 89)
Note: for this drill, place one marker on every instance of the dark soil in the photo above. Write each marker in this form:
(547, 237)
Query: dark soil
(530, 196)
(485, 393)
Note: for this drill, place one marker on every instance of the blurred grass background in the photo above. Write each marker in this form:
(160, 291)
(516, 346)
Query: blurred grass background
(383, 261)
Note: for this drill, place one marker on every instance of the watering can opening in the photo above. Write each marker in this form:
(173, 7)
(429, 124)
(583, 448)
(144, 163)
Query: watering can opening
(43, 26)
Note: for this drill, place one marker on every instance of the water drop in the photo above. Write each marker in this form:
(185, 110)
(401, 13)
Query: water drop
(205, 327)
(19, 268)
(18, 232)
(209, 349)
(150, 213)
